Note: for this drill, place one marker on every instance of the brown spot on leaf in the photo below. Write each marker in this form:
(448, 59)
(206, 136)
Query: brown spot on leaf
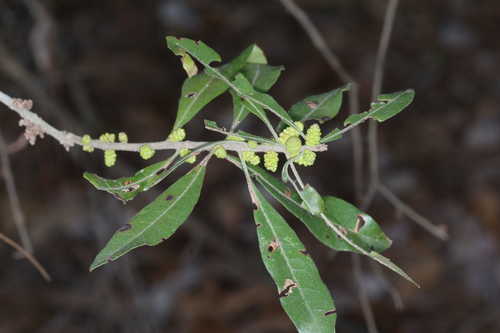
(287, 288)
(131, 188)
(327, 313)
(258, 225)
(128, 181)
(169, 197)
(254, 205)
(288, 193)
(304, 252)
(360, 222)
(312, 105)
(125, 227)
(273, 246)
(191, 95)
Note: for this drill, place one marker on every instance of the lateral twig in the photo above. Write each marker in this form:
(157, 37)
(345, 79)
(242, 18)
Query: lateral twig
(28, 256)
(436, 230)
(14, 202)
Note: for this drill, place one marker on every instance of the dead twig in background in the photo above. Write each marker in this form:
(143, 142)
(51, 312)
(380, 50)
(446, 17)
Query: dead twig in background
(28, 256)
(14, 202)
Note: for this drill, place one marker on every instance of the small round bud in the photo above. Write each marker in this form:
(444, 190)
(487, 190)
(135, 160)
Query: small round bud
(183, 152)
(86, 139)
(251, 157)
(146, 152)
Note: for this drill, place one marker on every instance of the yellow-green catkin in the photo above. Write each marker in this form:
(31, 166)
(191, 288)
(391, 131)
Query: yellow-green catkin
(307, 158)
(220, 152)
(107, 137)
(109, 158)
(123, 137)
(177, 135)
(271, 159)
(251, 157)
(146, 152)
(313, 135)
(184, 151)
(86, 139)
(293, 146)
(290, 131)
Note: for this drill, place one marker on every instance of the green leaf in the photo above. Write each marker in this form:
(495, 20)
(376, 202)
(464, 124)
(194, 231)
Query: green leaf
(201, 51)
(320, 107)
(332, 136)
(388, 106)
(302, 293)
(262, 77)
(241, 108)
(313, 202)
(362, 228)
(244, 86)
(369, 235)
(127, 188)
(201, 89)
(158, 220)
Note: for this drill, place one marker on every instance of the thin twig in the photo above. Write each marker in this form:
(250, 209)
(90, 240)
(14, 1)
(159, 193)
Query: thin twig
(68, 139)
(436, 230)
(378, 77)
(28, 255)
(333, 61)
(363, 295)
(14, 202)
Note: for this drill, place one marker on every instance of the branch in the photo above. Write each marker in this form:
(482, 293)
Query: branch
(14, 202)
(68, 139)
(28, 255)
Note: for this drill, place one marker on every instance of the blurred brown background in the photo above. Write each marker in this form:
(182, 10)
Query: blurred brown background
(94, 66)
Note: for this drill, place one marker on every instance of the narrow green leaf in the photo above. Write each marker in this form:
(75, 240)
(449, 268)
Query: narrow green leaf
(320, 107)
(262, 77)
(241, 108)
(197, 49)
(243, 85)
(201, 89)
(127, 188)
(158, 220)
(369, 237)
(313, 202)
(389, 264)
(302, 293)
(362, 228)
(332, 136)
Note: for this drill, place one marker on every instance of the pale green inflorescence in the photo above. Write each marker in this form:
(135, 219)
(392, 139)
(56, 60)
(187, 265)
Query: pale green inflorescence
(184, 151)
(86, 139)
(146, 152)
(290, 131)
(307, 158)
(220, 152)
(123, 137)
(271, 159)
(109, 158)
(107, 137)
(177, 135)
(252, 144)
(293, 145)
(234, 138)
(313, 135)
(251, 157)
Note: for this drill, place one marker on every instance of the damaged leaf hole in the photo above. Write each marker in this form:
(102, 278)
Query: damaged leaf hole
(191, 94)
(360, 223)
(288, 288)
(273, 246)
(304, 252)
(334, 311)
(169, 197)
(312, 105)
